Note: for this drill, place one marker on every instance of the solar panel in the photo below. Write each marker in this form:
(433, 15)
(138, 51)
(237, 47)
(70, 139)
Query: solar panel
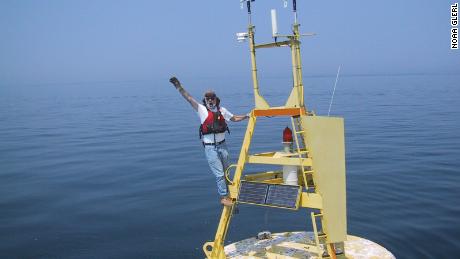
(251, 192)
(282, 196)
(274, 195)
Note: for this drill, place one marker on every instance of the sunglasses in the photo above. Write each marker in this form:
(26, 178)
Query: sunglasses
(210, 97)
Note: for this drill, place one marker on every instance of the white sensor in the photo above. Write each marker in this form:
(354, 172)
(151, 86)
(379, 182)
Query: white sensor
(274, 23)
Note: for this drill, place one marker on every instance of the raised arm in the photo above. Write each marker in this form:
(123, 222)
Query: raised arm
(184, 93)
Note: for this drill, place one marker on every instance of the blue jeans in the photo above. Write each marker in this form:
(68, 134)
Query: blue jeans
(218, 162)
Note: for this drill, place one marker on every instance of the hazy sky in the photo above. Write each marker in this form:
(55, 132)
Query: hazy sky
(71, 41)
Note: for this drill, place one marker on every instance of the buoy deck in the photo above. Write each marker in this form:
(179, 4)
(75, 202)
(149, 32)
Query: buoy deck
(293, 245)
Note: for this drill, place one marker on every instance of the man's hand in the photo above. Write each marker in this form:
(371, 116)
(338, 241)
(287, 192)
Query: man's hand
(184, 93)
(174, 81)
(237, 118)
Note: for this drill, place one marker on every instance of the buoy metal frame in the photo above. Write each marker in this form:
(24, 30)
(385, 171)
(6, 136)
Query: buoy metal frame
(320, 156)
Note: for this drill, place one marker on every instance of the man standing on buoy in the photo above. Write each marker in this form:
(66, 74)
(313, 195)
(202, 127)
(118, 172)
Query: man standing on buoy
(213, 120)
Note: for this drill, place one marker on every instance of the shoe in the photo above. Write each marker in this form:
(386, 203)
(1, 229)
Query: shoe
(226, 201)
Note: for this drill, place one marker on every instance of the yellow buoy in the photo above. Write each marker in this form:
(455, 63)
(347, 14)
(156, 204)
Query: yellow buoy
(319, 158)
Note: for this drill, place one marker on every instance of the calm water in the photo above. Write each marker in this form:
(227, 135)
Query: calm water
(116, 170)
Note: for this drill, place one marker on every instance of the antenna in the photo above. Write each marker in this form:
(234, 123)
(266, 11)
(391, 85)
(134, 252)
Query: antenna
(333, 92)
(248, 6)
(274, 24)
(294, 8)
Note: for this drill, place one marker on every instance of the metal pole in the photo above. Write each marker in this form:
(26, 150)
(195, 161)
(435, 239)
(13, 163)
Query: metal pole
(252, 50)
(299, 65)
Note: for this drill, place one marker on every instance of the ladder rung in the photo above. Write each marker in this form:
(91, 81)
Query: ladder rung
(318, 214)
(299, 132)
(308, 172)
(322, 235)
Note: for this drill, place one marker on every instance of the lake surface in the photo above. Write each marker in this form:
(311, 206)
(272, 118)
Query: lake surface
(116, 169)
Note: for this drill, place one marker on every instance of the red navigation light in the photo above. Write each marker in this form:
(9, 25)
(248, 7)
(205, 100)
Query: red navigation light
(287, 135)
